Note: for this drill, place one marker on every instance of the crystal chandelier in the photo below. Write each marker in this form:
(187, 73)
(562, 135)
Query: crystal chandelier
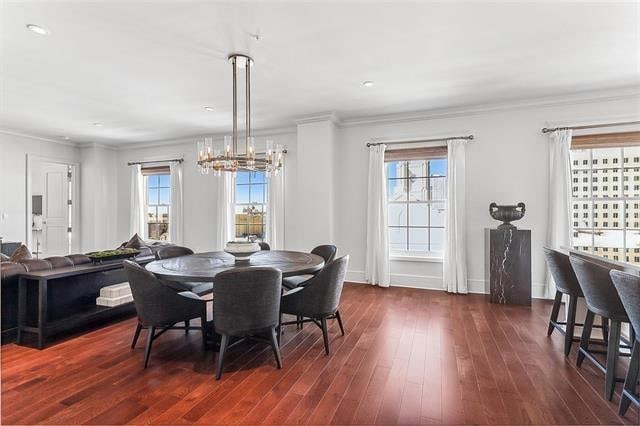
(214, 159)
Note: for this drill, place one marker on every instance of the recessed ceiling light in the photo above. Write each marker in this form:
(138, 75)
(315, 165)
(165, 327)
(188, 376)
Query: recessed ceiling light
(367, 83)
(208, 108)
(37, 29)
(98, 124)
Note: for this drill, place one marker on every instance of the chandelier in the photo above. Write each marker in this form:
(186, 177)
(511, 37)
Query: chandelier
(213, 159)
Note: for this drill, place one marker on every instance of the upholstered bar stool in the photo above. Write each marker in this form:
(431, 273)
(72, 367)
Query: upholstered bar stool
(602, 299)
(628, 287)
(566, 283)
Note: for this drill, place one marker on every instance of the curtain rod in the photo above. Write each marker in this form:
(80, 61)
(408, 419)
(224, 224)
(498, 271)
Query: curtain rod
(133, 163)
(469, 138)
(592, 126)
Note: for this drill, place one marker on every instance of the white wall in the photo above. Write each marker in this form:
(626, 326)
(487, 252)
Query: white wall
(13, 198)
(506, 163)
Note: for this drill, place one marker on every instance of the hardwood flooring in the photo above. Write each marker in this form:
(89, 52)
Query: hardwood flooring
(408, 357)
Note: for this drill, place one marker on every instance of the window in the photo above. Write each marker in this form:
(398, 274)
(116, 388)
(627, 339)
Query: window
(158, 184)
(251, 204)
(603, 237)
(417, 190)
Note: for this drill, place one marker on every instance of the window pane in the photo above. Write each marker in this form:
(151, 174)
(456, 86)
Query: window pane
(631, 181)
(438, 214)
(151, 214)
(398, 239)
(257, 193)
(580, 159)
(152, 196)
(419, 239)
(258, 177)
(418, 189)
(397, 189)
(396, 169)
(163, 214)
(417, 168)
(583, 238)
(165, 195)
(419, 214)
(582, 216)
(164, 180)
(609, 238)
(241, 231)
(152, 181)
(397, 215)
(606, 158)
(438, 188)
(438, 167)
(437, 239)
(581, 183)
(242, 177)
(242, 194)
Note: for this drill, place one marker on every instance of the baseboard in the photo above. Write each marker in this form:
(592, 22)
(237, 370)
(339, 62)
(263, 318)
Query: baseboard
(477, 286)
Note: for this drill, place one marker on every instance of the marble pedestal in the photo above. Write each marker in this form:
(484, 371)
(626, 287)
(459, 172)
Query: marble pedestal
(508, 265)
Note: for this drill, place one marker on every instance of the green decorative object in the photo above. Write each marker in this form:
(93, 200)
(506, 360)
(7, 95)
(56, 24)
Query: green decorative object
(117, 254)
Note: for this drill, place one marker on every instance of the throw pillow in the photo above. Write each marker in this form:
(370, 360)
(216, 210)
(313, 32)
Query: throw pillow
(21, 253)
(135, 242)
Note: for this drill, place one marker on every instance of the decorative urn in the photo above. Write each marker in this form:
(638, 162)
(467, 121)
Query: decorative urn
(507, 214)
(242, 250)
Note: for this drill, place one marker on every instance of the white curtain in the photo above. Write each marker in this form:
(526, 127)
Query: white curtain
(559, 219)
(377, 253)
(455, 258)
(176, 208)
(137, 208)
(224, 221)
(274, 234)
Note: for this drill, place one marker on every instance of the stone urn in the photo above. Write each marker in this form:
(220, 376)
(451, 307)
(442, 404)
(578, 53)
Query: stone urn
(506, 214)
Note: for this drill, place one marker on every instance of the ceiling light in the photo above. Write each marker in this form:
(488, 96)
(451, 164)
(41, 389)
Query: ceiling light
(367, 83)
(208, 108)
(37, 29)
(98, 124)
(64, 138)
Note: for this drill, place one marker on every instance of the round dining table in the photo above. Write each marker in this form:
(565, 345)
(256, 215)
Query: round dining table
(203, 267)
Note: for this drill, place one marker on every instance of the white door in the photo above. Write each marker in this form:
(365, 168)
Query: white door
(55, 210)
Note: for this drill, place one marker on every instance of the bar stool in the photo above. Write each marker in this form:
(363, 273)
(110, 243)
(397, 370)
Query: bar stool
(628, 287)
(602, 299)
(566, 283)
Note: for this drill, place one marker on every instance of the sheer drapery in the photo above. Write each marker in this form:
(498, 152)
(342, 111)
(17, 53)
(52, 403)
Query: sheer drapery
(455, 258)
(224, 220)
(377, 251)
(274, 234)
(176, 208)
(137, 207)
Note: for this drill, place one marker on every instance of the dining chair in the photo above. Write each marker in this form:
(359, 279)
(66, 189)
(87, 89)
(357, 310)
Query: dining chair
(566, 282)
(246, 306)
(159, 307)
(168, 252)
(602, 299)
(318, 300)
(327, 252)
(264, 246)
(628, 287)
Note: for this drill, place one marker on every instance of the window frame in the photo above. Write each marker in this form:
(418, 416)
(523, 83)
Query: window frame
(147, 188)
(250, 184)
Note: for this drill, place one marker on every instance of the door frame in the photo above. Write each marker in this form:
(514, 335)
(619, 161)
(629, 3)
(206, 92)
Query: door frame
(75, 194)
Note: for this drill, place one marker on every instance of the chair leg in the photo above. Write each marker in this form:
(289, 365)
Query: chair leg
(571, 321)
(631, 379)
(186, 326)
(223, 347)
(136, 335)
(554, 312)
(340, 322)
(586, 335)
(605, 329)
(275, 344)
(203, 326)
(300, 324)
(147, 349)
(325, 335)
(612, 356)
(279, 329)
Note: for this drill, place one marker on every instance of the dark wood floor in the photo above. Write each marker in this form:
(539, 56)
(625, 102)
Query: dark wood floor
(409, 357)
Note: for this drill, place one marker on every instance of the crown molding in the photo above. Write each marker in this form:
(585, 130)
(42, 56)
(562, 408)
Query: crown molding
(453, 112)
(10, 132)
(316, 118)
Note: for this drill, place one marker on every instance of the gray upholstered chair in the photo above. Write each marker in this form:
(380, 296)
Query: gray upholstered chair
(159, 307)
(194, 287)
(628, 287)
(247, 305)
(566, 283)
(602, 299)
(319, 299)
(264, 246)
(327, 252)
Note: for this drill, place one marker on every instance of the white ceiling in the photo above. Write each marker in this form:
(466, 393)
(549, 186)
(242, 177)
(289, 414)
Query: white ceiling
(146, 70)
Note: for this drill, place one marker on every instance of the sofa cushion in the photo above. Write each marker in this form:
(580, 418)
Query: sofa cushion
(10, 270)
(59, 261)
(32, 265)
(21, 253)
(78, 259)
(135, 242)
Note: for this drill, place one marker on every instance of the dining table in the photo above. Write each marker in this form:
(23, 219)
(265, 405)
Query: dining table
(203, 267)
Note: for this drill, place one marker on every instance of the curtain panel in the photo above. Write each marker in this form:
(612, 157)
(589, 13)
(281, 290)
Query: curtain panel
(274, 234)
(176, 208)
(137, 207)
(224, 219)
(455, 251)
(377, 250)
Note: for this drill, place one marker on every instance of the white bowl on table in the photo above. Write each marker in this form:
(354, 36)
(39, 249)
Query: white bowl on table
(242, 250)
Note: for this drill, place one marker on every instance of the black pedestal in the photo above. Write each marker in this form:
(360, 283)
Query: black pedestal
(509, 265)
